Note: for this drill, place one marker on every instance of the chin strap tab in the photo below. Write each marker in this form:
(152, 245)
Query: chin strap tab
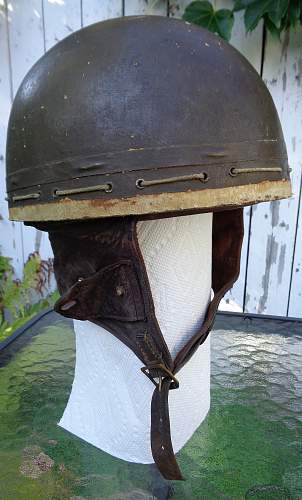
(161, 444)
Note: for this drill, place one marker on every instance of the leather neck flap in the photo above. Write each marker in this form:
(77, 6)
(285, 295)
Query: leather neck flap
(102, 278)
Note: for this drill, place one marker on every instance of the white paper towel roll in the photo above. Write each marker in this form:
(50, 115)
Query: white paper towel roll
(109, 405)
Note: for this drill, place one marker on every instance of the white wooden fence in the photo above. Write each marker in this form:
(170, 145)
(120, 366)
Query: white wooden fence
(271, 268)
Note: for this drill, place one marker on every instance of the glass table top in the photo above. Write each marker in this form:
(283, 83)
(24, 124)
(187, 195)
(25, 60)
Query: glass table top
(249, 446)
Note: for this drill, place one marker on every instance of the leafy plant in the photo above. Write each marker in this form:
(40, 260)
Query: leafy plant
(203, 13)
(22, 299)
(278, 15)
(7, 328)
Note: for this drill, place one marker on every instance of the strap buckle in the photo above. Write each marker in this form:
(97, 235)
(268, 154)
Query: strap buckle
(159, 370)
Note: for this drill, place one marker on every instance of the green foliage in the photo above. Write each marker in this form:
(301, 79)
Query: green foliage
(5, 266)
(20, 300)
(218, 21)
(278, 15)
(7, 328)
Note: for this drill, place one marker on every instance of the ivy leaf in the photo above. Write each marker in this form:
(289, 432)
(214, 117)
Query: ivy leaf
(254, 12)
(277, 11)
(272, 28)
(294, 13)
(225, 22)
(199, 12)
(273, 12)
(242, 4)
(203, 14)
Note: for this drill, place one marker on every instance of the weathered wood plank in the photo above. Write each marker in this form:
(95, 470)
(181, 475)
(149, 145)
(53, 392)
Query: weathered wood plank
(26, 36)
(10, 233)
(61, 17)
(295, 298)
(250, 45)
(273, 225)
(292, 123)
(96, 10)
(145, 7)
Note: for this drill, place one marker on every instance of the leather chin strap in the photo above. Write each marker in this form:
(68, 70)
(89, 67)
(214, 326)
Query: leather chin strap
(102, 278)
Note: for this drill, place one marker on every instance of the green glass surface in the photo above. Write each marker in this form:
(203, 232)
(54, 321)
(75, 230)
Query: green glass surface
(249, 446)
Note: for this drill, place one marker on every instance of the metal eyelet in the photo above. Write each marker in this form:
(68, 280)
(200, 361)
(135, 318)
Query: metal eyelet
(110, 187)
(233, 172)
(139, 183)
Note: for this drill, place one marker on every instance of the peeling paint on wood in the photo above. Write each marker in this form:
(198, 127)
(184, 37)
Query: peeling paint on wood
(270, 259)
(143, 7)
(281, 263)
(60, 19)
(250, 45)
(269, 277)
(96, 10)
(10, 233)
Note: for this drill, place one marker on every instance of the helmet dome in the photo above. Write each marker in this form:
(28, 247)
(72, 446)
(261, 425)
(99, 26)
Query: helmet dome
(142, 115)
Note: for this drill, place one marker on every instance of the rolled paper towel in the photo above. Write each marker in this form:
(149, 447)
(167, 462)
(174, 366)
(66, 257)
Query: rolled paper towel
(109, 405)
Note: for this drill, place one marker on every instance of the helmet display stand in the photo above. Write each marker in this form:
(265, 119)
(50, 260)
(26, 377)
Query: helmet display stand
(109, 405)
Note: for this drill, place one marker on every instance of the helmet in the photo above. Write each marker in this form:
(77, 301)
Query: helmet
(105, 126)
(131, 118)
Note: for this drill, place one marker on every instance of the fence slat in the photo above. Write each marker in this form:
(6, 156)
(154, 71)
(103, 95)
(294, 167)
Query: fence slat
(274, 224)
(250, 45)
(295, 298)
(10, 233)
(61, 18)
(143, 7)
(292, 126)
(96, 10)
(26, 36)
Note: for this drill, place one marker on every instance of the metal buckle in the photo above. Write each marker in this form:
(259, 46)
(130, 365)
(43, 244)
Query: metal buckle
(151, 372)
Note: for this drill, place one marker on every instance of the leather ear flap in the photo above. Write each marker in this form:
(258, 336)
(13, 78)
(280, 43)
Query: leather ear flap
(113, 292)
(228, 233)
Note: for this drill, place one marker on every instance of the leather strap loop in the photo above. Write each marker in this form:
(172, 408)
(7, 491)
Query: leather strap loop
(161, 444)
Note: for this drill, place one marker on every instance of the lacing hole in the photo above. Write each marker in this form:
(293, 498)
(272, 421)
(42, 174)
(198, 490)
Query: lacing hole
(80, 279)
(110, 187)
(162, 447)
(139, 183)
(233, 172)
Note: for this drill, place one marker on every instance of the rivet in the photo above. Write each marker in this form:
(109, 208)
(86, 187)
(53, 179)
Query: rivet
(120, 290)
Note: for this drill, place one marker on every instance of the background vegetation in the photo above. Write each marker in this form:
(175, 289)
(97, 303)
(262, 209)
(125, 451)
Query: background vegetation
(278, 15)
(20, 300)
